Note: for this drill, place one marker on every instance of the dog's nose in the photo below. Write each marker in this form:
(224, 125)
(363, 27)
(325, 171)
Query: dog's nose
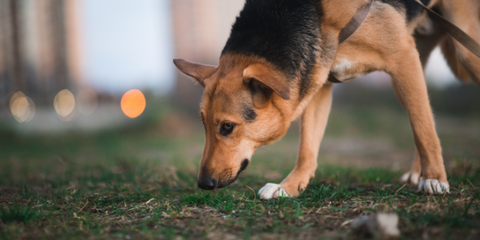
(206, 183)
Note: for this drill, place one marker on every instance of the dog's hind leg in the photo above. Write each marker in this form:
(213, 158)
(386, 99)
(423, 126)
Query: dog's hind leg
(466, 15)
(312, 128)
(413, 176)
(407, 75)
(425, 44)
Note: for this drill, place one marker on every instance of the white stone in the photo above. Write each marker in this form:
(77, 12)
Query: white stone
(382, 225)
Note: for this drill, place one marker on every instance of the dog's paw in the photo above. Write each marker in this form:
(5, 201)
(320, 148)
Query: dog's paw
(271, 190)
(410, 177)
(433, 186)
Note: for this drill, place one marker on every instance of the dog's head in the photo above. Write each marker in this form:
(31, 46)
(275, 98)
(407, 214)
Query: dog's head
(242, 109)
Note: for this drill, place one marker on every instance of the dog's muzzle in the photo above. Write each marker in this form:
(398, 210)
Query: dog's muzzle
(210, 183)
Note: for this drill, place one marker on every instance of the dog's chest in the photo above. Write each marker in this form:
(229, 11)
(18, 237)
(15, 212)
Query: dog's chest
(345, 69)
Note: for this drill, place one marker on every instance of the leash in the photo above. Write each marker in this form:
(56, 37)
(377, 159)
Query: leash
(354, 23)
(454, 31)
(349, 29)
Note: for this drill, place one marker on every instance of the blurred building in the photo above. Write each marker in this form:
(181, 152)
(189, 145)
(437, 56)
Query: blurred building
(201, 29)
(39, 52)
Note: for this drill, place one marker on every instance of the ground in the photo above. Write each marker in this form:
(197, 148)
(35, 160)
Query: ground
(140, 183)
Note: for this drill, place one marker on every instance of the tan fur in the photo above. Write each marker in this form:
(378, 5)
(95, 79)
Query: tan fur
(223, 155)
(464, 64)
(393, 53)
(455, 65)
(313, 124)
(466, 15)
(268, 76)
(384, 42)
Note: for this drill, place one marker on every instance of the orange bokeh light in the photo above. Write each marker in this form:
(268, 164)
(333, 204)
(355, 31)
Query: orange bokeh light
(133, 103)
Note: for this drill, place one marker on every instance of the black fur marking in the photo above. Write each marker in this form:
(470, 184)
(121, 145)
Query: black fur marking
(248, 113)
(243, 165)
(227, 177)
(410, 7)
(284, 32)
(306, 81)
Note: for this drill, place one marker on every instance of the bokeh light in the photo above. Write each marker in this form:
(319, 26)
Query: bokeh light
(22, 107)
(87, 101)
(64, 103)
(133, 103)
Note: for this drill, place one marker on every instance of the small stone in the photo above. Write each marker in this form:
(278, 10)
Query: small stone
(381, 225)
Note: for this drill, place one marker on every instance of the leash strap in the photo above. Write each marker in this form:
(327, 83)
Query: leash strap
(354, 23)
(349, 29)
(454, 31)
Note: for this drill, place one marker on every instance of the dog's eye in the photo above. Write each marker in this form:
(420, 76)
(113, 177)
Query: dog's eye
(226, 128)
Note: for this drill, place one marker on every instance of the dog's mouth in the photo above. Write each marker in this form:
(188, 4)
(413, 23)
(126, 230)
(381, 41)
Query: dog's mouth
(228, 179)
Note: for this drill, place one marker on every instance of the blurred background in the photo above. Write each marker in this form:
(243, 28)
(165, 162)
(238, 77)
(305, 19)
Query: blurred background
(82, 78)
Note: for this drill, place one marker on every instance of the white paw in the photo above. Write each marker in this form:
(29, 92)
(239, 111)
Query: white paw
(433, 186)
(410, 177)
(271, 190)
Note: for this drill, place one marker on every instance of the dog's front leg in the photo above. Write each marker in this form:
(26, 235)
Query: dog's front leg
(407, 74)
(312, 128)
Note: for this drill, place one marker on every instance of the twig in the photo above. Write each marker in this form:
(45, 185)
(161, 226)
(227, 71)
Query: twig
(153, 199)
(254, 194)
(400, 188)
(346, 222)
(83, 206)
(471, 184)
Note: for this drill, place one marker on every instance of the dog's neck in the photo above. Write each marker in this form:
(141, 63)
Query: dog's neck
(299, 37)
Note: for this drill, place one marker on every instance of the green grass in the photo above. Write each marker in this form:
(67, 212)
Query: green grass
(17, 214)
(141, 184)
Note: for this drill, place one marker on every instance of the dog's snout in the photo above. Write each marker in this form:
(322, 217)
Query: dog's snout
(207, 183)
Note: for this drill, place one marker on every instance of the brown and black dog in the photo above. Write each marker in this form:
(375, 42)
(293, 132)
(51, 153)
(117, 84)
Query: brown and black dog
(274, 69)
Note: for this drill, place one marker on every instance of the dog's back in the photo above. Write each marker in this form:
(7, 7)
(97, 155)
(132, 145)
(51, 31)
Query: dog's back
(286, 33)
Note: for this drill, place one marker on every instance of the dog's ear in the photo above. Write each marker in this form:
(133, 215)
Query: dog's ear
(197, 71)
(263, 81)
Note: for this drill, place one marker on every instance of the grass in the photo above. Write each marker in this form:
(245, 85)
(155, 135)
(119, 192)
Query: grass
(141, 184)
(17, 214)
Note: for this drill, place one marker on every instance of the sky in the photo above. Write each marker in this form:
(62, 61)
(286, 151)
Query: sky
(127, 44)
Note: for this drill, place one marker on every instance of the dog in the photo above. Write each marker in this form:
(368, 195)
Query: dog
(275, 68)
